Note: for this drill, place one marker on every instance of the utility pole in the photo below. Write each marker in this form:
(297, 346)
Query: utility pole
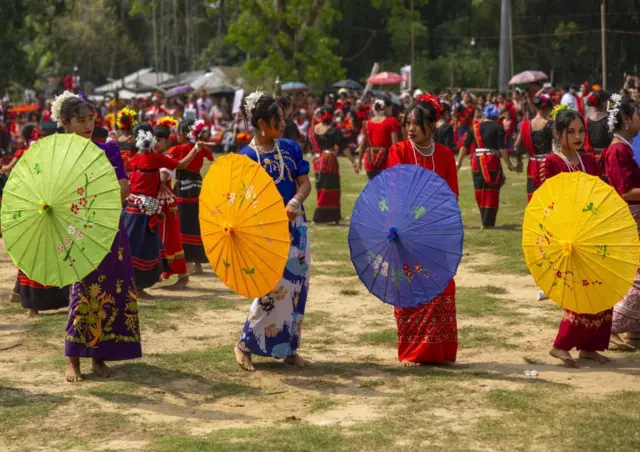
(413, 50)
(604, 46)
(503, 74)
(511, 41)
(155, 43)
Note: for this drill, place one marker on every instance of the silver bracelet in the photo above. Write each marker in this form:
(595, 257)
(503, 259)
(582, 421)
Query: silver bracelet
(295, 203)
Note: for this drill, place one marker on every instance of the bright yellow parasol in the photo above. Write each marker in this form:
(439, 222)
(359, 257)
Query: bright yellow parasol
(580, 243)
(244, 226)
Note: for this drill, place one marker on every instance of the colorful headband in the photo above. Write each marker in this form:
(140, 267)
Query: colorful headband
(435, 103)
(167, 121)
(126, 113)
(198, 128)
(557, 109)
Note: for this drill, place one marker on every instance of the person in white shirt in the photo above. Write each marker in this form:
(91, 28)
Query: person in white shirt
(568, 97)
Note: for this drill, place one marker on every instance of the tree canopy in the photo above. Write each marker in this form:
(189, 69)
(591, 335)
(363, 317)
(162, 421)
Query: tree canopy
(315, 41)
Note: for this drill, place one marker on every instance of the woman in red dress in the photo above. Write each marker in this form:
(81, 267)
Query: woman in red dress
(171, 250)
(427, 333)
(536, 139)
(187, 189)
(624, 175)
(380, 133)
(588, 333)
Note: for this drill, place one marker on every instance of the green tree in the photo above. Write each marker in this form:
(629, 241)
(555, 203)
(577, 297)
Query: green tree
(288, 38)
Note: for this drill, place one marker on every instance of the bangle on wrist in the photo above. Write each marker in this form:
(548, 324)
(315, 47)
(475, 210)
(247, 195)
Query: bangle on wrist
(295, 203)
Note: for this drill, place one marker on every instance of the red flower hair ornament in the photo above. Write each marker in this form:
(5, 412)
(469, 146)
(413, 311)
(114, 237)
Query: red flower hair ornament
(435, 103)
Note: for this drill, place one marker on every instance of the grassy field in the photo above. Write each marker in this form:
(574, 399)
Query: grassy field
(187, 393)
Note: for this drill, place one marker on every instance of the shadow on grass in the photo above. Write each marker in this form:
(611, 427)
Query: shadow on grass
(358, 374)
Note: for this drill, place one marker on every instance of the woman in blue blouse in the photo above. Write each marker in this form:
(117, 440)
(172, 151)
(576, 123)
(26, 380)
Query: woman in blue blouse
(274, 322)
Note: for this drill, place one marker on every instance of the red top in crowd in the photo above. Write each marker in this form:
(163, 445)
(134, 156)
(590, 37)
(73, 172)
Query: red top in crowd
(144, 178)
(182, 150)
(621, 168)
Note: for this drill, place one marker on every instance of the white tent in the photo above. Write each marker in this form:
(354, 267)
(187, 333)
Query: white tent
(142, 80)
(210, 81)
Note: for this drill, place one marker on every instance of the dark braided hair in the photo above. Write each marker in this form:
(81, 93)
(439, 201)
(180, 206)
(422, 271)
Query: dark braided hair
(266, 108)
(74, 107)
(628, 106)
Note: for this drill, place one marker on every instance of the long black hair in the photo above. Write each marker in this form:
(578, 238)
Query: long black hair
(563, 120)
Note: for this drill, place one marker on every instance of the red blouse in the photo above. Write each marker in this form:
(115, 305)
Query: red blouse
(182, 150)
(379, 133)
(621, 168)
(554, 164)
(144, 178)
(442, 162)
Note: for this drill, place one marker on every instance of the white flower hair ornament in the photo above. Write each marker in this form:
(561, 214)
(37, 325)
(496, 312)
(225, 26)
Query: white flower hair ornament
(56, 106)
(145, 141)
(250, 104)
(378, 106)
(613, 110)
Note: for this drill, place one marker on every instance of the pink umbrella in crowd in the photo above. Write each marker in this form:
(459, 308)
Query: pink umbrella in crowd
(385, 78)
(528, 77)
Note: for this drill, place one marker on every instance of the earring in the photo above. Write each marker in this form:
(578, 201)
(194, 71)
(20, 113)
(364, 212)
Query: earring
(262, 133)
(626, 126)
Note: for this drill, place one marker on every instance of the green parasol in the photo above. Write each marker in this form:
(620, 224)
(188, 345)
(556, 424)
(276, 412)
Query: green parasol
(60, 210)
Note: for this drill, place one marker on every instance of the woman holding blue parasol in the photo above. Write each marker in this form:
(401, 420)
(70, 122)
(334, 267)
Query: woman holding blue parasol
(427, 333)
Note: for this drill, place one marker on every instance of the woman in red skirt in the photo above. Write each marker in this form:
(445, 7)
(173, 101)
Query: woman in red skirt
(171, 250)
(588, 333)
(486, 146)
(427, 334)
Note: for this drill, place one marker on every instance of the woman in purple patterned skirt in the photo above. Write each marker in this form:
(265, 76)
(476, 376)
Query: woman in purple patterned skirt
(103, 312)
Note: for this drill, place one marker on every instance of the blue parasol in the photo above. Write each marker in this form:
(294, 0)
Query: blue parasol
(406, 235)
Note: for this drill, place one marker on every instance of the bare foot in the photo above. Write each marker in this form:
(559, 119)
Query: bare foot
(99, 367)
(296, 360)
(15, 297)
(410, 364)
(620, 343)
(197, 269)
(179, 284)
(73, 373)
(564, 356)
(33, 313)
(141, 294)
(244, 359)
(594, 356)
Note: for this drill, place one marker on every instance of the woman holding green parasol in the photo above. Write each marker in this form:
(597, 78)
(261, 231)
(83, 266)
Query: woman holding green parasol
(103, 314)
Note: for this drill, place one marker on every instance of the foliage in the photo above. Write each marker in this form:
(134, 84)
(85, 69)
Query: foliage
(287, 38)
(316, 41)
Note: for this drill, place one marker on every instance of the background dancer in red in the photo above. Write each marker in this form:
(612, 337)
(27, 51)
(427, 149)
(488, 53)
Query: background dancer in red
(187, 190)
(487, 137)
(536, 139)
(171, 251)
